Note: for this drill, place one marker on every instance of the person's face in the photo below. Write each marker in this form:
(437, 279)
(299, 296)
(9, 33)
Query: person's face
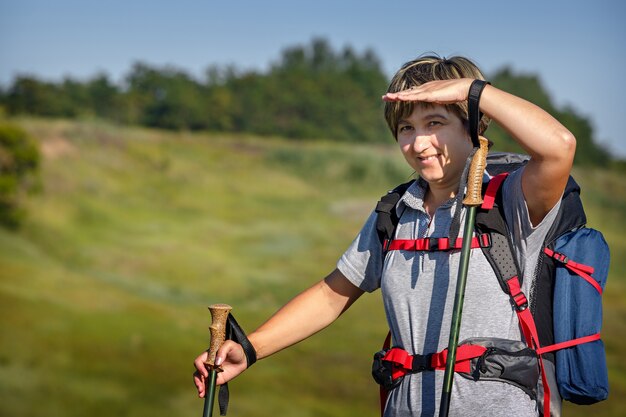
(435, 143)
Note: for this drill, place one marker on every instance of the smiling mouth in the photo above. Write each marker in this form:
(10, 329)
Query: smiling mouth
(427, 158)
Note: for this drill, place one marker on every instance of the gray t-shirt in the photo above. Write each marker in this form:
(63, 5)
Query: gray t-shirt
(418, 294)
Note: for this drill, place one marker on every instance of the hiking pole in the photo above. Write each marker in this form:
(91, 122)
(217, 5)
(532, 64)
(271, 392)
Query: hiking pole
(219, 316)
(473, 199)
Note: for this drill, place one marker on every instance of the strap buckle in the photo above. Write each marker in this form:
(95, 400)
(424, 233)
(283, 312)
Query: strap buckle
(422, 363)
(484, 240)
(520, 301)
(432, 244)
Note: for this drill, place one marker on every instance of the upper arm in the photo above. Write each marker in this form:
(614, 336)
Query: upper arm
(341, 292)
(550, 145)
(544, 180)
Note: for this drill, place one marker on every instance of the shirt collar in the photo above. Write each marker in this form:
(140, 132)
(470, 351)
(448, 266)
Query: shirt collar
(414, 195)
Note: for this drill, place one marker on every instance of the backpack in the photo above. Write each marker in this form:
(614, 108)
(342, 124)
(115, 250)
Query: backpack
(562, 324)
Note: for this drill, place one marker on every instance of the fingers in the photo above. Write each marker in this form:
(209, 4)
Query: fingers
(232, 359)
(440, 92)
(409, 94)
(199, 381)
(201, 373)
(200, 362)
(405, 95)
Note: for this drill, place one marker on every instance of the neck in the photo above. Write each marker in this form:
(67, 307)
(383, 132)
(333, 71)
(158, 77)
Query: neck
(436, 196)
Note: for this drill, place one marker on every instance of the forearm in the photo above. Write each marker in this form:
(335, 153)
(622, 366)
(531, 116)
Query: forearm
(306, 314)
(541, 135)
(550, 145)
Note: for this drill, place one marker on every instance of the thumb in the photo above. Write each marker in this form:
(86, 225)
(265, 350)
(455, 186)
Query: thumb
(231, 351)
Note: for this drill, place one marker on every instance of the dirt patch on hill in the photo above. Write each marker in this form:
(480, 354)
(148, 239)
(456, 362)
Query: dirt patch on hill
(56, 146)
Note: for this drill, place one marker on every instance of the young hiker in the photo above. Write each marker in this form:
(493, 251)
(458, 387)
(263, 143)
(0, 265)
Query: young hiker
(426, 110)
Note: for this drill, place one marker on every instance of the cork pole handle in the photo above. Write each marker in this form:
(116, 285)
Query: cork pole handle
(473, 197)
(219, 316)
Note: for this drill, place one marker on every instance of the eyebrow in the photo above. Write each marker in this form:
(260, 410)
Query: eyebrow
(429, 116)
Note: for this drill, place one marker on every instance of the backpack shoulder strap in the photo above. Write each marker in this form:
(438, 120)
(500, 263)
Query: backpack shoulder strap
(490, 220)
(500, 162)
(501, 256)
(387, 219)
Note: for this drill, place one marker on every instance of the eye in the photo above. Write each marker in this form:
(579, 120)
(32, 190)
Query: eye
(434, 123)
(404, 128)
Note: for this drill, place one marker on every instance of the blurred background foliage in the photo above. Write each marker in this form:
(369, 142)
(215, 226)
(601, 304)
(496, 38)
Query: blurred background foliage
(19, 166)
(311, 91)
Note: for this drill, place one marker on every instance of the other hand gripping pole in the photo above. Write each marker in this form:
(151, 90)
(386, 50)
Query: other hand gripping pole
(219, 316)
(472, 200)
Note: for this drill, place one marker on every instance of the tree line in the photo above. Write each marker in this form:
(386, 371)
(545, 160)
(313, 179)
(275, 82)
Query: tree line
(311, 91)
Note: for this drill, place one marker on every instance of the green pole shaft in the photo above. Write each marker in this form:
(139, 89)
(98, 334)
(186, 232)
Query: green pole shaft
(210, 394)
(455, 327)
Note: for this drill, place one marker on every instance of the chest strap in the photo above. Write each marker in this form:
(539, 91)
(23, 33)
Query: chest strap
(431, 244)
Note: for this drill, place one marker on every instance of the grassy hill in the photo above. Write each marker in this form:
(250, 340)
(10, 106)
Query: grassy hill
(103, 292)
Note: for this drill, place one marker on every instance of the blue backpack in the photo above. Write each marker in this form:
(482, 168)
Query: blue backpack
(581, 371)
(563, 322)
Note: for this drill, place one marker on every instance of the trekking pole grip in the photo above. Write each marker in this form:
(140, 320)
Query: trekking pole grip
(219, 316)
(473, 197)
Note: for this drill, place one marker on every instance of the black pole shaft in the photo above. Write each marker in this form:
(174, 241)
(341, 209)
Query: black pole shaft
(209, 396)
(455, 327)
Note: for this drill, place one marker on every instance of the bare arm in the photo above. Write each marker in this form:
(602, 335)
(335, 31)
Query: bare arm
(306, 314)
(550, 145)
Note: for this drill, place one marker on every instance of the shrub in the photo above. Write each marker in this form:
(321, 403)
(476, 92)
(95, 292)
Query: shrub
(19, 167)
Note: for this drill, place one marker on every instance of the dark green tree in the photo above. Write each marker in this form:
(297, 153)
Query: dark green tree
(28, 95)
(529, 87)
(310, 91)
(104, 98)
(19, 164)
(166, 98)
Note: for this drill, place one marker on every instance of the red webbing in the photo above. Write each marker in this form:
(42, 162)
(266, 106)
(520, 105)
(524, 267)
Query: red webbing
(530, 334)
(424, 244)
(568, 343)
(403, 361)
(492, 190)
(582, 270)
(464, 353)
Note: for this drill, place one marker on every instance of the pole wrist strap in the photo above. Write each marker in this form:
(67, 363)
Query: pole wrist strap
(235, 333)
(473, 113)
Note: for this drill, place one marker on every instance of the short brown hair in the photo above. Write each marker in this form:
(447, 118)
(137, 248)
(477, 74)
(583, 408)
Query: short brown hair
(422, 70)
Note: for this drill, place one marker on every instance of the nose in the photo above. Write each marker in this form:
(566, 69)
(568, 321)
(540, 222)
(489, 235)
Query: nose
(421, 143)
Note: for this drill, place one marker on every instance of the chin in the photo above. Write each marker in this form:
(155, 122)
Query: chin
(430, 177)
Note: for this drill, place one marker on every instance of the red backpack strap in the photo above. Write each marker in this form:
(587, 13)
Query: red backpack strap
(569, 343)
(430, 244)
(492, 190)
(529, 330)
(404, 363)
(582, 270)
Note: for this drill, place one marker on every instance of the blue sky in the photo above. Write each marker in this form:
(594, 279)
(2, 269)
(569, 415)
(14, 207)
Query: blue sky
(576, 47)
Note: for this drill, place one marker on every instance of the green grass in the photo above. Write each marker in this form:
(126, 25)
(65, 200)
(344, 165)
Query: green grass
(103, 291)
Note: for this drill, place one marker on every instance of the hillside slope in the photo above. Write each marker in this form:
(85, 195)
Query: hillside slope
(103, 292)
